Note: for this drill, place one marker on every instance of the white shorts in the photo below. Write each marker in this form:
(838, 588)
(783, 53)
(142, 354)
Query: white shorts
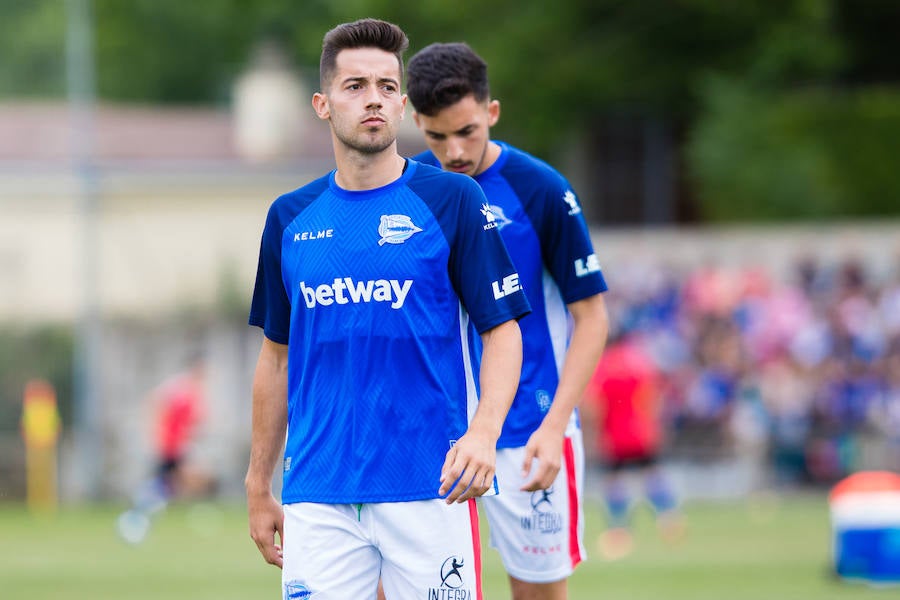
(422, 549)
(539, 535)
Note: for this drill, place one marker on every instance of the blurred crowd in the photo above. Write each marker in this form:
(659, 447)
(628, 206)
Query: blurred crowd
(802, 369)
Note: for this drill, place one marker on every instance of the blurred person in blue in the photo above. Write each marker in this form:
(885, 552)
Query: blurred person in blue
(537, 522)
(367, 282)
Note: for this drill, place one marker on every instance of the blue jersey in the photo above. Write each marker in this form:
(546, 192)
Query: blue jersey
(540, 220)
(373, 292)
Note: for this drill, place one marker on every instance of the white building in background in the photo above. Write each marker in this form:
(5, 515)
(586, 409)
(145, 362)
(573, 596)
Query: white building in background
(271, 106)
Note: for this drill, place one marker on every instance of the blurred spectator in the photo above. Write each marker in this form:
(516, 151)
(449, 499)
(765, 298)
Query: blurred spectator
(811, 360)
(622, 413)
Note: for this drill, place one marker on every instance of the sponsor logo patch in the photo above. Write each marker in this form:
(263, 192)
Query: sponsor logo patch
(543, 400)
(311, 236)
(453, 586)
(543, 518)
(509, 285)
(586, 266)
(489, 217)
(343, 290)
(294, 590)
(500, 218)
(396, 229)
(570, 199)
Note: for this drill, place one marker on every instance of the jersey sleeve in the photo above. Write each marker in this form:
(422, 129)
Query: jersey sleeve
(566, 242)
(270, 308)
(479, 264)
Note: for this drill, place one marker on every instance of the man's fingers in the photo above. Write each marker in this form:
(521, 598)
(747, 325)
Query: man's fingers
(468, 488)
(526, 464)
(537, 480)
(468, 472)
(480, 485)
(277, 557)
(453, 474)
(543, 476)
(461, 483)
(279, 550)
(537, 483)
(448, 476)
(271, 551)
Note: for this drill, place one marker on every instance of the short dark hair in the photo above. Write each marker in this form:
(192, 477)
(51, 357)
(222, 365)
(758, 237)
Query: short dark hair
(365, 33)
(440, 75)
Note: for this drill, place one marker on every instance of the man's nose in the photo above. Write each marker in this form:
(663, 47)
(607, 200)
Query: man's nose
(373, 98)
(454, 149)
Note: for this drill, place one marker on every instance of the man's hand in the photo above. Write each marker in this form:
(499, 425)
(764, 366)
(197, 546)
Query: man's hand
(545, 445)
(267, 520)
(472, 461)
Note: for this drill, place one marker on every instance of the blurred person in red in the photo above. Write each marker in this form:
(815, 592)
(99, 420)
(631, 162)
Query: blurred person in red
(623, 410)
(179, 405)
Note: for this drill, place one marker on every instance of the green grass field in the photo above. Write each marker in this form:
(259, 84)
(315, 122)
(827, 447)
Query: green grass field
(762, 550)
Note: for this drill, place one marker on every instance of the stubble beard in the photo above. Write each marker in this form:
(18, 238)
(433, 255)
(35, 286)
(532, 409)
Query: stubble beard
(365, 143)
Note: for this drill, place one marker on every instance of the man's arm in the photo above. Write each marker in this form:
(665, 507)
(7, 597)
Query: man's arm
(267, 440)
(473, 458)
(591, 326)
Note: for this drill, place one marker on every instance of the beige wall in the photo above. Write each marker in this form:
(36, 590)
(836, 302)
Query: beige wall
(164, 241)
(775, 247)
(160, 243)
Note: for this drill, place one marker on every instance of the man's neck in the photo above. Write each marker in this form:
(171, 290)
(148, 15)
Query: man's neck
(357, 171)
(491, 154)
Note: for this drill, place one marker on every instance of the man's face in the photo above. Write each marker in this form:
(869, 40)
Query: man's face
(459, 134)
(363, 101)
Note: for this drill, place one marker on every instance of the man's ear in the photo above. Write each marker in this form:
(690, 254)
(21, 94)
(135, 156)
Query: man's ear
(416, 120)
(320, 105)
(493, 112)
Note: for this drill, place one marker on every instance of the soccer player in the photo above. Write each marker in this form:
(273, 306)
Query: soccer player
(368, 279)
(536, 522)
(623, 405)
(180, 405)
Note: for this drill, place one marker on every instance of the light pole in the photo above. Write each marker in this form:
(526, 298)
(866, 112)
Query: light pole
(80, 84)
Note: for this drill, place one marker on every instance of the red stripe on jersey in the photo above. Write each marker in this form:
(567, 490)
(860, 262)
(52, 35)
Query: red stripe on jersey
(574, 546)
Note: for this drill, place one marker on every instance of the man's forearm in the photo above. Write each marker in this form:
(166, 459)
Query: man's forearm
(501, 367)
(591, 326)
(269, 421)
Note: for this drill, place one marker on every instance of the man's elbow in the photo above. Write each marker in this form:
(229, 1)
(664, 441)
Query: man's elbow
(591, 313)
(506, 336)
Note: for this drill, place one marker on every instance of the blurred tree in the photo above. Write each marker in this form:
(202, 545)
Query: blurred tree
(808, 154)
(868, 29)
(32, 44)
(619, 89)
(809, 130)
